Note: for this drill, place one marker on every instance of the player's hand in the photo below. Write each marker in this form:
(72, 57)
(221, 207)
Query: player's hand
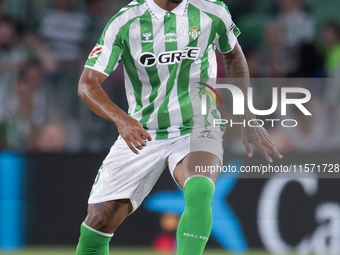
(133, 133)
(261, 139)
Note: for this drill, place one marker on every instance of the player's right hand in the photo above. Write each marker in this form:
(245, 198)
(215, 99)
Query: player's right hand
(133, 133)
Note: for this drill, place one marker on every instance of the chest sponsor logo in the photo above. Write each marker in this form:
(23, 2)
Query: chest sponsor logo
(148, 59)
(96, 50)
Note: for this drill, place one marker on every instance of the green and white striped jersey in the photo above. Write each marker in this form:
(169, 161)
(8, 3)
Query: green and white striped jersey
(162, 53)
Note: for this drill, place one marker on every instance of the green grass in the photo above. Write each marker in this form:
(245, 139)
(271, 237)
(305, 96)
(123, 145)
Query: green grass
(114, 251)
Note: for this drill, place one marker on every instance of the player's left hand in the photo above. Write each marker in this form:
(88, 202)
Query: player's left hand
(261, 139)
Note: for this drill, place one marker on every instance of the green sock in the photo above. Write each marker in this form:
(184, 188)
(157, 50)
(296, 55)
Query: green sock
(93, 242)
(195, 224)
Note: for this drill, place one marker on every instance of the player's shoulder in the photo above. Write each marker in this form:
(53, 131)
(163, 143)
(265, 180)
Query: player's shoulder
(132, 4)
(215, 2)
(128, 12)
(216, 7)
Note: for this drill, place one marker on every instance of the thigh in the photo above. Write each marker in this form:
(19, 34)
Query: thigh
(200, 153)
(187, 167)
(125, 175)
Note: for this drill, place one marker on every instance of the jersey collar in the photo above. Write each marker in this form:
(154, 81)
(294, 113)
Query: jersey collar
(158, 12)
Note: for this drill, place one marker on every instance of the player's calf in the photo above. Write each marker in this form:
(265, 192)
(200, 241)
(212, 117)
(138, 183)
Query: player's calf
(97, 229)
(195, 224)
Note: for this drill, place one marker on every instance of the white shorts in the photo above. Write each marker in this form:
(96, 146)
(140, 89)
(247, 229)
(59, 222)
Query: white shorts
(126, 175)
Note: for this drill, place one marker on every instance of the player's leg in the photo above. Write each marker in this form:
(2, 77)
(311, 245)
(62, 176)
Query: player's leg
(194, 227)
(107, 216)
(101, 222)
(124, 180)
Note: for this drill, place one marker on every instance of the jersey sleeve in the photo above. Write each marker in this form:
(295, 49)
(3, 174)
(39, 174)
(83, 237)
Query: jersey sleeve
(106, 55)
(227, 32)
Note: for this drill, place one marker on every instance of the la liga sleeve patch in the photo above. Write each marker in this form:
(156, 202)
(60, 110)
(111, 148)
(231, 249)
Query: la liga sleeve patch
(96, 51)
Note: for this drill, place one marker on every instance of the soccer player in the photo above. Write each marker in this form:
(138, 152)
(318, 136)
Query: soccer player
(164, 45)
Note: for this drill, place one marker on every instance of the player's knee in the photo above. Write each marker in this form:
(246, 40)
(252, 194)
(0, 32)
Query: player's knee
(107, 216)
(199, 191)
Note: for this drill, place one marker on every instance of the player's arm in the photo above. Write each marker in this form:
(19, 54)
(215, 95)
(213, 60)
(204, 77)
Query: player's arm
(91, 92)
(237, 68)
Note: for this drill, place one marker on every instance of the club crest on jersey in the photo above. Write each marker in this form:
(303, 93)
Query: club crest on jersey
(194, 33)
(147, 37)
(96, 51)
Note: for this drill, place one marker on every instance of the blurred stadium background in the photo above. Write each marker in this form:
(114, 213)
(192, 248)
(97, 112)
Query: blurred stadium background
(51, 145)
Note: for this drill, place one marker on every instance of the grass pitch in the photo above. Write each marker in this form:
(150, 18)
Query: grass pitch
(114, 251)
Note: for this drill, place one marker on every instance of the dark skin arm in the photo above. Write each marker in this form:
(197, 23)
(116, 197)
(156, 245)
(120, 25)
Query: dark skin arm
(94, 96)
(237, 68)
